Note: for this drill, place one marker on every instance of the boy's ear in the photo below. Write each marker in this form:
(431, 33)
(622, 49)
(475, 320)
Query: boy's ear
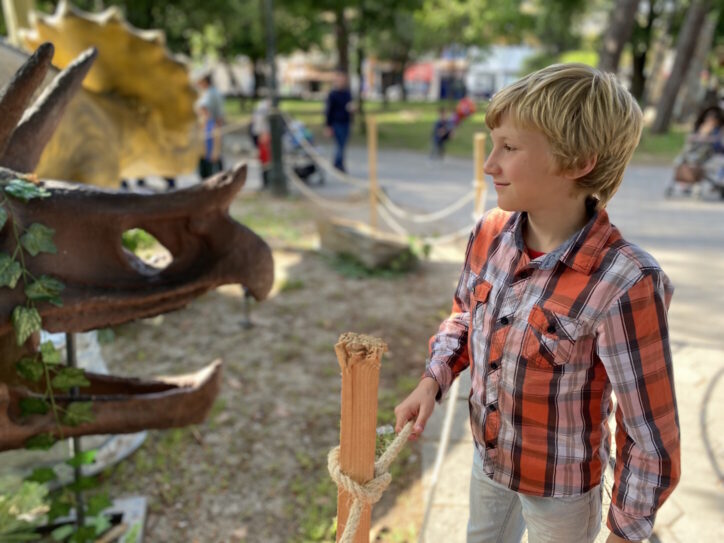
(584, 169)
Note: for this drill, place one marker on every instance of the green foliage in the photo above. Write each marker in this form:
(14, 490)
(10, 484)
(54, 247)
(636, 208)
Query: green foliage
(33, 406)
(68, 378)
(30, 369)
(22, 508)
(26, 321)
(78, 413)
(41, 442)
(137, 239)
(10, 271)
(38, 239)
(25, 190)
(45, 289)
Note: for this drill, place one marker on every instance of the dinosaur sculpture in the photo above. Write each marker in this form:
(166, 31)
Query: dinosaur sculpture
(104, 283)
(134, 115)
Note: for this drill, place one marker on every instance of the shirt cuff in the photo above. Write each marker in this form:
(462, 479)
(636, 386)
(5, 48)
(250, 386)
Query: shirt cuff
(629, 527)
(443, 376)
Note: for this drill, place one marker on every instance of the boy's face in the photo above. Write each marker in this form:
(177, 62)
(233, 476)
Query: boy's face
(524, 170)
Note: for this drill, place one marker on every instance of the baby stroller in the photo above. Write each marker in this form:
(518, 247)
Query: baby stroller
(701, 164)
(698, 168)
(302, 163)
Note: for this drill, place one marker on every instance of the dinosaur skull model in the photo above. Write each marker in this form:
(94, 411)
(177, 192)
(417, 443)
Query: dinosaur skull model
(104, 283)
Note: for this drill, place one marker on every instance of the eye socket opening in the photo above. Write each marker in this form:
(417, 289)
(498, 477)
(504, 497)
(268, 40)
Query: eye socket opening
(145, 252)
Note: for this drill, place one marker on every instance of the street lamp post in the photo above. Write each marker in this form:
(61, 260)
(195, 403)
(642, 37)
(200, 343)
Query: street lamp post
(277, 179)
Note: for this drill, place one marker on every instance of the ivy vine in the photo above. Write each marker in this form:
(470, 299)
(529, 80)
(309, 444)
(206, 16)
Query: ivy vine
(45, 366)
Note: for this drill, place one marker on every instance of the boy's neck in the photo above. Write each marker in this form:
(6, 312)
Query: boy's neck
(546, 230)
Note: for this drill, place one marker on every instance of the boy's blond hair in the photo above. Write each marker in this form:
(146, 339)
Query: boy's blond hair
(584, 113)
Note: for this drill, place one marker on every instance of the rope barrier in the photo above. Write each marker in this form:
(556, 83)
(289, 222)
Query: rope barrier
(370, 492)
(382, 197)
(314, 197)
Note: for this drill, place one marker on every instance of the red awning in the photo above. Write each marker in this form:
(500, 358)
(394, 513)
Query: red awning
(420, 72)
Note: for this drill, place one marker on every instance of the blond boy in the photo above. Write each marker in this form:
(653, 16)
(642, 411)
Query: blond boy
(554, 310)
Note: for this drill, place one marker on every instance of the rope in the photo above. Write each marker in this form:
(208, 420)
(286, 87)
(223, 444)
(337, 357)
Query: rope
(430, 240)
(422, 217)
(370, 492)
(302, 187)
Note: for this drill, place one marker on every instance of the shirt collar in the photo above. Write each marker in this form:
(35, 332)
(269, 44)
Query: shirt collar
(578, 252)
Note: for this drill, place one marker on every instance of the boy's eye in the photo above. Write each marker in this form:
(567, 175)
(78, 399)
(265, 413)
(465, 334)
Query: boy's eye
(508, 147)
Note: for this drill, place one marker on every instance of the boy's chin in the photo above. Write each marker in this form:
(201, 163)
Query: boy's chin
(508, 206)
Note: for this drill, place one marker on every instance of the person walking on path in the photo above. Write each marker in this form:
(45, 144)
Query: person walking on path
(554, 311)
(338, 113)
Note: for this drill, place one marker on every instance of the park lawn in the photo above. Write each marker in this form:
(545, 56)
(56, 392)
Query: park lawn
(408, 125)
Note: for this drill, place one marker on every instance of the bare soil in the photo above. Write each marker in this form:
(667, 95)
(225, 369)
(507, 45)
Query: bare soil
(255, 471)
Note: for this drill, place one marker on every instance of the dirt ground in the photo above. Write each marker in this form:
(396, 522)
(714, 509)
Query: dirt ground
(256, 470)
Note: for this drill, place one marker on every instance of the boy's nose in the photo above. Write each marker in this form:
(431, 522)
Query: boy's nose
(491, 166)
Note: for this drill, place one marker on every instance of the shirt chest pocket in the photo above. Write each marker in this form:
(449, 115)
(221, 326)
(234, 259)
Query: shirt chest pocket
(549, 339)
(478, 297)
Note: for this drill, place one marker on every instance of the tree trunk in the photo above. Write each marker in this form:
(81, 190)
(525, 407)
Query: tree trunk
(259, 75)
(620, 26)
(640, 49)
(340, 29)
(360, 113)
(685, 47)
(690, 100)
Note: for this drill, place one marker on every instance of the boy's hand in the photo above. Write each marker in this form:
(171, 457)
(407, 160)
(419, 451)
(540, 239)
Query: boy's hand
(419, 404)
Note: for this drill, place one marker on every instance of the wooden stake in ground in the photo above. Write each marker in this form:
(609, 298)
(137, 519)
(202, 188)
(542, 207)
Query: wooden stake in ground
(479, 156)
(372, 159)
(359, 358)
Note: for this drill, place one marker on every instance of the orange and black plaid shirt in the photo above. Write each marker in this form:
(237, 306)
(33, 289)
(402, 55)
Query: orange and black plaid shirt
(547, 340)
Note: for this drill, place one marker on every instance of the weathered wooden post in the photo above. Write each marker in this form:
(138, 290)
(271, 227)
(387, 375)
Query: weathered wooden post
(372, 159)
(479, 181)
(359, 358)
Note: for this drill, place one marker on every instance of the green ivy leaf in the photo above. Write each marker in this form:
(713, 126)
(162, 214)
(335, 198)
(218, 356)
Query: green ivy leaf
(62, 532)
(42, 475)
(40, 442)
(85, 483)
(30, 369)
(68, 378)
(45, 289)
(25, 191)
(33, 406)
(50, 355)
(3, 217)
(78, 413)
(98, 503)
(38, 238)
(84, 534)
(26, 321)
(100, 523)
(10, 271)
(58, 509)
(83, 458)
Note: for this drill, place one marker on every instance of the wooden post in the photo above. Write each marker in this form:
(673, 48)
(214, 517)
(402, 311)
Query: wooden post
(479, 154)
(359, 358)
(372, 159)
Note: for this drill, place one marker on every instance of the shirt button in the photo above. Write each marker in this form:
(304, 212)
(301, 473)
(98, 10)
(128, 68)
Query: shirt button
(551, 329)
(492, 408)
(504, 321)
(494, 365)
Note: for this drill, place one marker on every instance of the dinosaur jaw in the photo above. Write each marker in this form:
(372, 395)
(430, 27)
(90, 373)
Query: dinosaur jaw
(120, 405)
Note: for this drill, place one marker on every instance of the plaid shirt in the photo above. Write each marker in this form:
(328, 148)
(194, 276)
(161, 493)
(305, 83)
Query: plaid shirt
(547, 340)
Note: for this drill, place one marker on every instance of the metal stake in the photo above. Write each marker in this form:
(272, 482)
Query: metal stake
(75, 445)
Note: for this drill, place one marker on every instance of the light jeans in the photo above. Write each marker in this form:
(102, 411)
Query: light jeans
(500, 515)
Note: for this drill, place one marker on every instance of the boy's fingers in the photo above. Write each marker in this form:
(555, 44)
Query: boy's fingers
(402, 415)
(425, 412)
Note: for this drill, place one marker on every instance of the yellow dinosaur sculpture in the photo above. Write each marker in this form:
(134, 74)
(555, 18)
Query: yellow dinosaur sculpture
(134, 116)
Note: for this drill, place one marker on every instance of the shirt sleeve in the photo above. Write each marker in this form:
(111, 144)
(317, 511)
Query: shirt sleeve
(449, 346)
(633, 344)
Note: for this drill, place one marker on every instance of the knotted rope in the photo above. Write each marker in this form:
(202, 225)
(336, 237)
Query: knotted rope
(370, 492)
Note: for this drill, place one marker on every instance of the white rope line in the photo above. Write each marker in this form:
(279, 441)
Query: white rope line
(423, 217)
(314, 197)
(382, 197)
(397, 228)
(370, 492)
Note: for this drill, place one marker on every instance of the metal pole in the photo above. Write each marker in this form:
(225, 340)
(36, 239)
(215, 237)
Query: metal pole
(75, 442)
(277, 179)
